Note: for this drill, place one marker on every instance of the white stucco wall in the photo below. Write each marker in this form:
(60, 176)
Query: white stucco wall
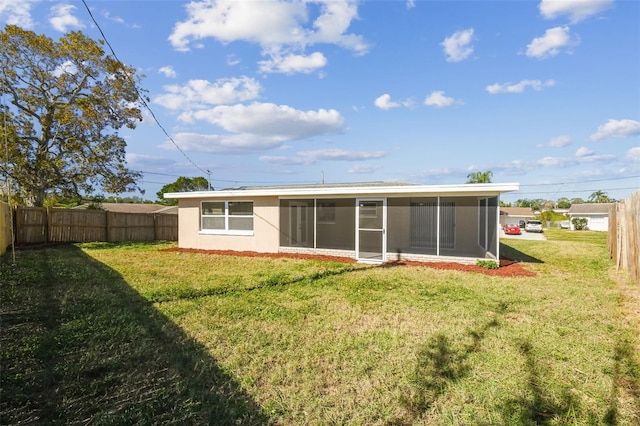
(265, 238)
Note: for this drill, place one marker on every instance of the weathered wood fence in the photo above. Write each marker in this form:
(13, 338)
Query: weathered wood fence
(624, 235)
(43, 225)
(5, 227)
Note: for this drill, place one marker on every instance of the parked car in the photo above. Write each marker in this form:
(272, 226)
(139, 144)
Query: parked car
(521, 223)
(512, 229)
(533, 226)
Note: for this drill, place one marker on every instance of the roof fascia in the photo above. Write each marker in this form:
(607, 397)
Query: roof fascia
(481, 189)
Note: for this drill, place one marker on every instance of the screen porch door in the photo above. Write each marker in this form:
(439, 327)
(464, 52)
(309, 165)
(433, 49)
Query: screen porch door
(371, 238)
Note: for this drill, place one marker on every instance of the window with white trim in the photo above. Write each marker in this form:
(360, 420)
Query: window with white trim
(227, 217)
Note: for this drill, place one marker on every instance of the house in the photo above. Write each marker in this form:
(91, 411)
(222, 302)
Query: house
(371, 222)
(513, 215)
(597, 215)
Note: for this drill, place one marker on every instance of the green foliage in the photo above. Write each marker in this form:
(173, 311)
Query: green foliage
(551, 216)
(480, 177)
(579, 223)
(182, 184)
(600, 197)
(563, 203)
(67, 101)
(487, 264)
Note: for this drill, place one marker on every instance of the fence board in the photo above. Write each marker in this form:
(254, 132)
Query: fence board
(81, 226)
(5, 227)
(167, 227)
(41, 225)
(624, 235)
(130, 227)
(31, 225)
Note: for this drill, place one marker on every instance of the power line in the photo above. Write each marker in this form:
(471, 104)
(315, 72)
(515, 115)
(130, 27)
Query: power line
(583, 181)
(140, 97)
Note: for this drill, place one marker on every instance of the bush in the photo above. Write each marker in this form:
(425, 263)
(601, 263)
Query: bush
(579, 223)
(487, 264)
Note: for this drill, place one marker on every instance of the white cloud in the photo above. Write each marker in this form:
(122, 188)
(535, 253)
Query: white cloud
(633, 154)
(336, 154)
(559, 141)
(143, 160)
(457, 47)
(411, 4)
(617, 128)
(282, 160)
(62, 18)
(438, 99)
(168, 71)
(313, 156)
(576, 10)
(67, 67)
(281, 122)
(291, 64)
(551, 43)
(232, 60)
(202, 93)
(281, 28)
(257, 127)
(363, 169)
(384, 102)
(17, 12)
(584, 152)
(519, 87)
(223, 143)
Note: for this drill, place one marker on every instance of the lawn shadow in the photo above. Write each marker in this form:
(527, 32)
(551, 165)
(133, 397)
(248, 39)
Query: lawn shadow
(539, 406)
(508, 252)
(440, 363)
(81, 346)
(626, 381)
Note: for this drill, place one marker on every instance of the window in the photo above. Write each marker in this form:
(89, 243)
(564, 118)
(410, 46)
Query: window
(227, 217)
(326, 212)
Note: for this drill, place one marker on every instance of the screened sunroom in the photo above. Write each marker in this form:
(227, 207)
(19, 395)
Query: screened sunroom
(392, 228)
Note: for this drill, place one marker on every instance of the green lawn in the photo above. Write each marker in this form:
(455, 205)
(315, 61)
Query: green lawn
(129, 333)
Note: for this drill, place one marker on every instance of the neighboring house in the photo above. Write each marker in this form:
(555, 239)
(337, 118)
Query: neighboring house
(597, 215)
(371, 222)
(134, 208)
(513, 215)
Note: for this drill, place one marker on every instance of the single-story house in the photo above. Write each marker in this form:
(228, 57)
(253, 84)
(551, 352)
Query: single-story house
(597, 215)
(513, 215)
(371, 222)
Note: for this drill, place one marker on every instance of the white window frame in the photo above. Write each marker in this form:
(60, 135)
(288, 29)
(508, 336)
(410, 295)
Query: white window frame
(226, 216)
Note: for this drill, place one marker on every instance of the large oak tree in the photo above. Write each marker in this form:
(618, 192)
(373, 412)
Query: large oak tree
(63, 104)
(182, 184)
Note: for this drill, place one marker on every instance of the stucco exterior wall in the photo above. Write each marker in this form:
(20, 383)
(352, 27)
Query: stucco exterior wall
(265, 238)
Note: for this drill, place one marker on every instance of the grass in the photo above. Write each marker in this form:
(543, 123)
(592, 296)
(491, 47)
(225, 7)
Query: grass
(121, 334)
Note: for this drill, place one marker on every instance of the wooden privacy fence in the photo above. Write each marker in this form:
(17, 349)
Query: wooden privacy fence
(624, 235)
(5, 227)
(43, 225)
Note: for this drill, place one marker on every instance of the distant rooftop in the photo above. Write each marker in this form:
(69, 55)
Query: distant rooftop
(590, 208)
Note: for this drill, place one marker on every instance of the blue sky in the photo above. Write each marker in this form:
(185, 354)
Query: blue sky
(544, 93)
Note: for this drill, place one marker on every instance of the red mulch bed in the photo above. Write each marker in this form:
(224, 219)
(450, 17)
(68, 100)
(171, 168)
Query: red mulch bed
(508, 268)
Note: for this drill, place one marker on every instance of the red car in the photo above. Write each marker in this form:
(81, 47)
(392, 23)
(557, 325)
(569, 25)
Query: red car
(512, 229)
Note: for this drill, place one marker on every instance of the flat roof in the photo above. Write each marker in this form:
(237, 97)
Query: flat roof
(372, 189)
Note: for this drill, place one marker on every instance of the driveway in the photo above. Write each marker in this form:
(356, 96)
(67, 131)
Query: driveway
(539, 236)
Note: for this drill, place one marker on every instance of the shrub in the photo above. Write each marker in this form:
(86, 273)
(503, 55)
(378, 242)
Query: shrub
(579, 223)
(487, 264)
